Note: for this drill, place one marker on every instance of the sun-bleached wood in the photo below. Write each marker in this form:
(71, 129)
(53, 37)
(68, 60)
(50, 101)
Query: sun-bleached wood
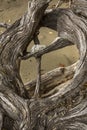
(62, 104)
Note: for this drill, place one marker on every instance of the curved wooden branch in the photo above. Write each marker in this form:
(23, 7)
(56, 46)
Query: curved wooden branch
(71, 97)
(16, 108)
(69, 104)
(14, 41)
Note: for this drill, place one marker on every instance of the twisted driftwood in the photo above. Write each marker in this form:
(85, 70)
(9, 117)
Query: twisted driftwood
(62, 101)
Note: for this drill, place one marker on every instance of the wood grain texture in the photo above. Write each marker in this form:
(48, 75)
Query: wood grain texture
(62, 104)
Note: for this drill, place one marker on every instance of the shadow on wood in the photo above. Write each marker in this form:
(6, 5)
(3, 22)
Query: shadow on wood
(62, 104)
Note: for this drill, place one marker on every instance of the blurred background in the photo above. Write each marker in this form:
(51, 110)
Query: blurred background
(11, 10)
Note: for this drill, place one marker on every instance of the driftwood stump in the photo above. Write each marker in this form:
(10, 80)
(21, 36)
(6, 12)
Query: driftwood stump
(62, 104)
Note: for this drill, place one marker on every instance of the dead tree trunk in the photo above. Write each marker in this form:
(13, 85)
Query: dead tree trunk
(62, 104)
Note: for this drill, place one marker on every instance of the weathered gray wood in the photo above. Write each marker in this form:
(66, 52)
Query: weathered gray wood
(16, 108)
(23, 33)
(1, 120)
(50, 81)
(65, 109)
(13, 43)
(4, 25)
(58, 43)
